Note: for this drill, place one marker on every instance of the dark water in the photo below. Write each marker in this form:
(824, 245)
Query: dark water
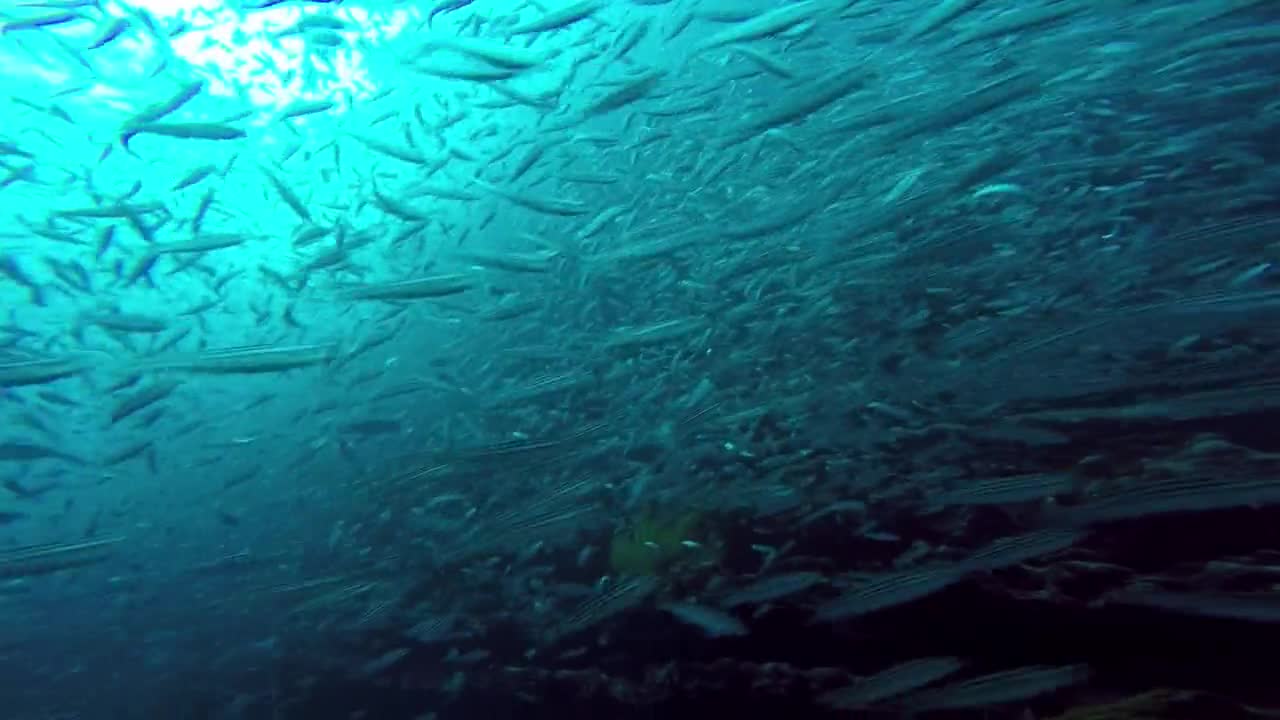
(640, 359)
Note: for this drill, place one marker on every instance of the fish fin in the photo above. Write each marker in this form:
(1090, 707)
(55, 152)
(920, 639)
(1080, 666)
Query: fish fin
(126, 135)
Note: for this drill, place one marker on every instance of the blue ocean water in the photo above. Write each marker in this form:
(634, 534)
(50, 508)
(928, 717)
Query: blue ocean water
(636, 358)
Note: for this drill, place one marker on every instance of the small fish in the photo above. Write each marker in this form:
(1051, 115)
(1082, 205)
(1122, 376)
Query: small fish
(891, 682)
(767, 24)
(325, 38)
(28, 493)
(544, 205)
(41, 371)
(383, 661)
(1004, 490)
(512, 262)
(109, 33)
(635, 88)
(7, 518)
(1261, 607)
(141, 268)
(125, 322)
(424, 288)
(10, 268)
(250, 360)
(939, 15)
(38, 21)
(128, 453)
(620, 597)
(887, 590)
(997, 688)
(436, 629)
(556, 19)
(196, 175)
(1010, 551)
(290, 198)
(1183, 494)
(713, 622)
(169, 105)
(310, 23)
(182, 131)
(774, 587)
(203, 244)
(301, 108)
(36, 560)
(142, 399)
(529, 524)
(446, 7)
(19, 451)
(629, 338)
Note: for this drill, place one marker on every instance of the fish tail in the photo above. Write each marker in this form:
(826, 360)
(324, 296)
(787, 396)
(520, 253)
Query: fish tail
(126, 135)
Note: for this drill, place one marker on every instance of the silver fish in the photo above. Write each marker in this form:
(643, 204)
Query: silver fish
(887, 590)
(774, 587)
(618, 598)
(713, 622)
(891, 682)
(998, 688)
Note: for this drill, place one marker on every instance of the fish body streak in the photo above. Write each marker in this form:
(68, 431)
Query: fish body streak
(446, 7)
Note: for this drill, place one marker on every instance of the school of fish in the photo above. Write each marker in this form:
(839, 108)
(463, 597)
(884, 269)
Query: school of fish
(434, 358)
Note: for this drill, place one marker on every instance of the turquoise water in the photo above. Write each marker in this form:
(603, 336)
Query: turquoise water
(468, 358)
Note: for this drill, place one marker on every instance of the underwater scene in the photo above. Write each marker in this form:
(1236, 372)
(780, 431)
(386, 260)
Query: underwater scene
(639, 359)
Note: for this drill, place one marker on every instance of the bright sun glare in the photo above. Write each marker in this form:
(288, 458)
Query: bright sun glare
(239, 53)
